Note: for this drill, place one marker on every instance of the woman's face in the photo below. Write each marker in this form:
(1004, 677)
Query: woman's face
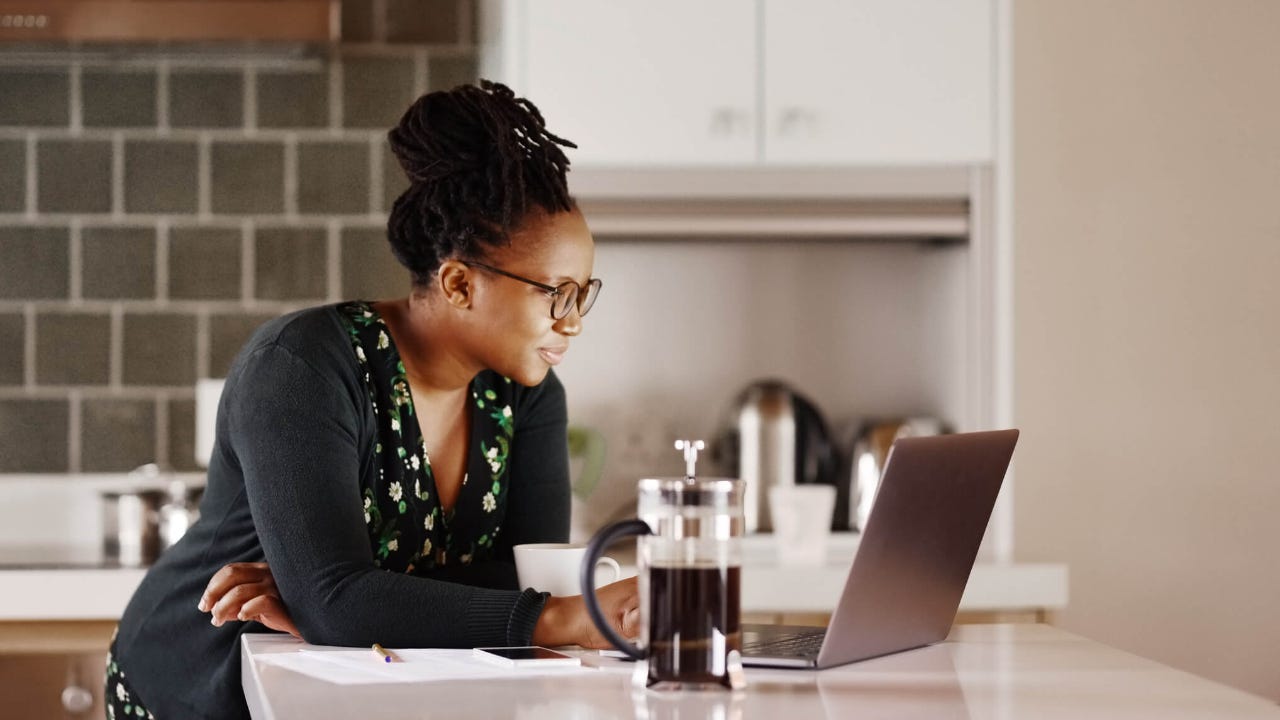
(517, 336)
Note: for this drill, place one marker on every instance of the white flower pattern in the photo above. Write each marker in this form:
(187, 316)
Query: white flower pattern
(399, 494)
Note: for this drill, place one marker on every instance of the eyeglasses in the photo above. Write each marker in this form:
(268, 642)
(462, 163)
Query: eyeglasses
(563, 296)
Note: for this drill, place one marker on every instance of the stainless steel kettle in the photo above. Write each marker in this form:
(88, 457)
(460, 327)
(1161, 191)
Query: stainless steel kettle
(870, 451)
(774, 436)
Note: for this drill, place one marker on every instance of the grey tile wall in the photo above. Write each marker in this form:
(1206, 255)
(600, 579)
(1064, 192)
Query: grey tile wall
(290, 264)
(74, 176)
(369, 270)
(35, 97)
(333, 177)
(37, 262)
(206, 99)
(204, 263)
(13, 328)
(13, 175)
(293, 99)
(133, 276)
(117, 435)
(182, 435)
(35, 437)
(375, 90)
(118, 98)
(248, 177)
(161, 176)
(160, 349)
(445, 72)
(73, 348)
(119, 262)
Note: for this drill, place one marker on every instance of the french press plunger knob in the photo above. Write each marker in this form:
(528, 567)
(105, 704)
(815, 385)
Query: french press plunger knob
(690, 448)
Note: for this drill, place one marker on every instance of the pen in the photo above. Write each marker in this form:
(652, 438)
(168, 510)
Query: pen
(383, 653)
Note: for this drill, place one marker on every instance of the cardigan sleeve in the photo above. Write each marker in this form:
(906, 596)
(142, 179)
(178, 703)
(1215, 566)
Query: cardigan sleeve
(294, 431)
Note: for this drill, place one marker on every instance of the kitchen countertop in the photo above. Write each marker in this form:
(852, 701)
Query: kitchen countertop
(70, 584)
(1001, 672)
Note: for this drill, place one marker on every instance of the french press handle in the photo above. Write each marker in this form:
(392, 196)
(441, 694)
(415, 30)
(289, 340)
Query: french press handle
(595, 549)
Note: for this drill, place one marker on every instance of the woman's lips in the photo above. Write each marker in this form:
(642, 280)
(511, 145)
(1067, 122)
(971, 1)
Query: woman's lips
(553, 356)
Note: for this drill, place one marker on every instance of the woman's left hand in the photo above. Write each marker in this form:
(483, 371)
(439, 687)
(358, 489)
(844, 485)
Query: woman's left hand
(246, 592)
(565, 621)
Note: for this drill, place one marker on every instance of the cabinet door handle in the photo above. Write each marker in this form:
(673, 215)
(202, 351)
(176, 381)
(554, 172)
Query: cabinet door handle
(726, 121)
(77, 700)
(793, 120)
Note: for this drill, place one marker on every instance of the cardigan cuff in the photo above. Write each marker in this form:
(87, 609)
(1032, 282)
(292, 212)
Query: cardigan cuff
(524, 616)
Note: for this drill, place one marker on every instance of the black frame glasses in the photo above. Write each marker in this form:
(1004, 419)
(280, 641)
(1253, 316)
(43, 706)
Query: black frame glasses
(584, 296)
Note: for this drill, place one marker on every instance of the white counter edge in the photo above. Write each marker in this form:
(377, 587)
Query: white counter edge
(100, 594)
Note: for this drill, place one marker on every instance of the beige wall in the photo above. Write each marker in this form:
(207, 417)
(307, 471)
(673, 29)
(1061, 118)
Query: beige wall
(1147, 222)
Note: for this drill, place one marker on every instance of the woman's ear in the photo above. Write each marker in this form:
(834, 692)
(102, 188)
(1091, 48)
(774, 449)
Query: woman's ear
(454, 279)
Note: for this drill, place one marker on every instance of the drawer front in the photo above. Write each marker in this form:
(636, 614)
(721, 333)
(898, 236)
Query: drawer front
(54, 686)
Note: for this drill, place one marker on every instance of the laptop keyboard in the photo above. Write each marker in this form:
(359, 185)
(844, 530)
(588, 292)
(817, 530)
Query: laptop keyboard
(799, 645)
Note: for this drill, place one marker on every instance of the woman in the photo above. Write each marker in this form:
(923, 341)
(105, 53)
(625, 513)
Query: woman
(383, 458)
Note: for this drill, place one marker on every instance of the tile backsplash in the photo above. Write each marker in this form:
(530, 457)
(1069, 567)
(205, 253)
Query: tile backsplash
(156, 206)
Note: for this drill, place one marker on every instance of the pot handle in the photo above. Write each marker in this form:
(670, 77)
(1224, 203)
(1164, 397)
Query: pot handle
(595, 549)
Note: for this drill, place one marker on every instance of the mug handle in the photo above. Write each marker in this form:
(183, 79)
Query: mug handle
(595, 549)
(612, 565)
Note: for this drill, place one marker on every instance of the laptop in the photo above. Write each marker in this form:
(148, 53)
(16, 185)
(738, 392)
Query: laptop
(914, 558)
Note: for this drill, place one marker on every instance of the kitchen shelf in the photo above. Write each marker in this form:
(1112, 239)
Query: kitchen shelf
(924, 203)
(169, 20)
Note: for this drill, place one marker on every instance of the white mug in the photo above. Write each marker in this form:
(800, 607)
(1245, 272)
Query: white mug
(556, 567)
(801, 522)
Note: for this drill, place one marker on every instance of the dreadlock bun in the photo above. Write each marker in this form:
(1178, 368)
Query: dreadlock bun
(478, 159)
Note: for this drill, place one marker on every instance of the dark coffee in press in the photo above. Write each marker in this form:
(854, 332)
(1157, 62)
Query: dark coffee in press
(694, 621)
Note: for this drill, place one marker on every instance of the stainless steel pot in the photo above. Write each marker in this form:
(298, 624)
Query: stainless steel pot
(139, 524)
(131, 526)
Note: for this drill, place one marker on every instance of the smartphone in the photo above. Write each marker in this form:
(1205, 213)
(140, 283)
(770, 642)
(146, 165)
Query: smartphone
(528, 656)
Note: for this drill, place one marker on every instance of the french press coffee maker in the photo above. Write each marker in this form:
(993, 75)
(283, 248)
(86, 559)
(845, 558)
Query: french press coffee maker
(689, 556)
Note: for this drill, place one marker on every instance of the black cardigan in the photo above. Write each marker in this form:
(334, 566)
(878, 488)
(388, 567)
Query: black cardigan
(295, 428)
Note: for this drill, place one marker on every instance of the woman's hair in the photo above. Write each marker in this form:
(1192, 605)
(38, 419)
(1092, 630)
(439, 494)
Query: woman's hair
(478, 160)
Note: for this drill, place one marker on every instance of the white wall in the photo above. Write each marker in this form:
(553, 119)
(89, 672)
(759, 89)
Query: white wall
(862, 329)
(1147, 222)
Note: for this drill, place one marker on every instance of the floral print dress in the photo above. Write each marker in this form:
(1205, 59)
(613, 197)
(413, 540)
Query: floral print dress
(120, 700)
(408, 529)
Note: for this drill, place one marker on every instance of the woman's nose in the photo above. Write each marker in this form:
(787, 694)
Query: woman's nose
(570, 324)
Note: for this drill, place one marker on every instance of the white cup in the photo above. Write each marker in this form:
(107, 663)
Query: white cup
(556, 567)
(801, 516)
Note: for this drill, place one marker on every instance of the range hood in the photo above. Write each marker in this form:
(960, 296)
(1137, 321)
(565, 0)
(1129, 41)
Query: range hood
(112, 21)
(920, 204)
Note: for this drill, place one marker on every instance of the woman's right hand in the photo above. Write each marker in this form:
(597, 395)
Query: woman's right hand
(246, 592)
(565, 621)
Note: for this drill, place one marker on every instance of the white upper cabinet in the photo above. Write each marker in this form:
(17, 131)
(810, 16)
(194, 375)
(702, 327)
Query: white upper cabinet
(746, 82)
(897, 82)
(658, 82)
